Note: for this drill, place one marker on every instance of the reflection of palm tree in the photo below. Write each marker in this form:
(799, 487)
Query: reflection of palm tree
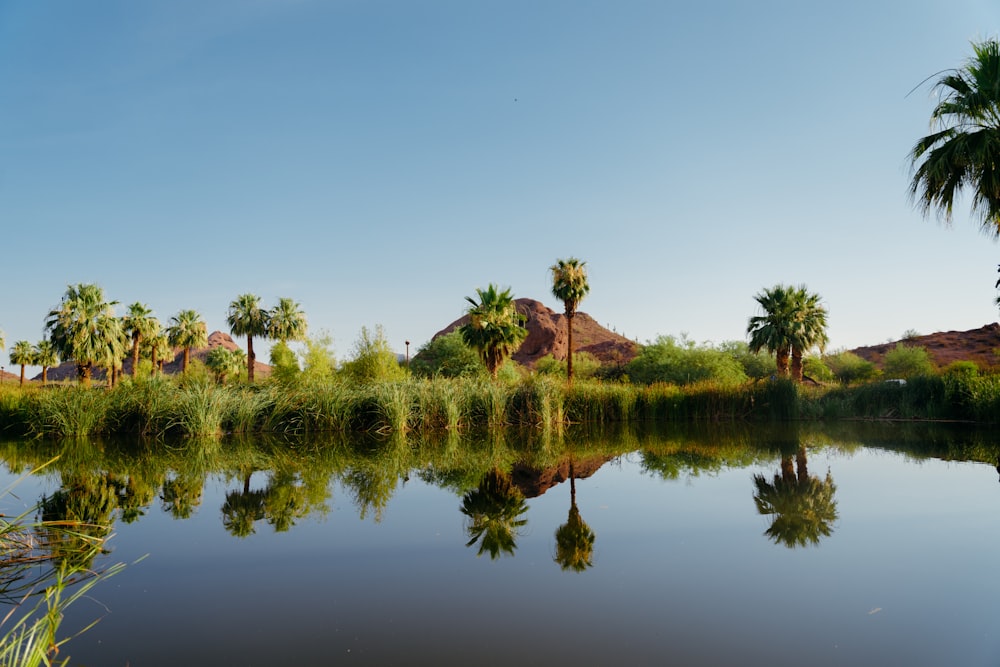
(85, 502)
(574, 539)
(242, 509)
(494, 512)
(803, 506)
(182, 495)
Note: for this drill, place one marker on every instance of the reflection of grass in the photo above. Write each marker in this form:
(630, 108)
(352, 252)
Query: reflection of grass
(34, 565)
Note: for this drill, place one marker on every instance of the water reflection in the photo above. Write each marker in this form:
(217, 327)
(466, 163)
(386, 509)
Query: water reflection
(574, 539)
(494, 515)
(801, 506)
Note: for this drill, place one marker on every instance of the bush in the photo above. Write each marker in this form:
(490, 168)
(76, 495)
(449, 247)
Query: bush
(849, 368)
(903, 362)
(447, 356)
(683, 362)
(757, 365)
(585, 366)
(814, 368)
(373, 360)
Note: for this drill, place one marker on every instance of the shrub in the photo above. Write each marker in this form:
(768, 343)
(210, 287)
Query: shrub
(903, 362)
(848, 367)
(447, 356)
(373, 359)
(684, 362)
(585, 365)
(814, 368)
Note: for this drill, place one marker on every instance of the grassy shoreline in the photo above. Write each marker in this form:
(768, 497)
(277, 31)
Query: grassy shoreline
(162, 407)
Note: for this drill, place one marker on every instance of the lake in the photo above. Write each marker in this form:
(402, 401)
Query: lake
(849, 544)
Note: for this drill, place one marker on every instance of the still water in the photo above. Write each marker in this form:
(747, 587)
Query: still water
(883, 550)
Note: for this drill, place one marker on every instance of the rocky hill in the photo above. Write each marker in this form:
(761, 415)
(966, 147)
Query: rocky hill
(547, 335)
(67, 370)
(978, 345)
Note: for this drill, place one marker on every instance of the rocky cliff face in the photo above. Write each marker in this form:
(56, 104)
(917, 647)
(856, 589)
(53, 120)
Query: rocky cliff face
(547, 335)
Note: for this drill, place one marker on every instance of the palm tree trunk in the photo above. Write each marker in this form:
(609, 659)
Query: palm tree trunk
(184, 367)
(45, 375)
(152, 373)
(781, 359)
(797, 364)
(251, 358)
(22, 375)
(135, 355)
(569, 343)
(83, 372)
(800, 465)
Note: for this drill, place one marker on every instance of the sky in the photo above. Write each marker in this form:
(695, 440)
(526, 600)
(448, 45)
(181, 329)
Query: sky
(378, 161)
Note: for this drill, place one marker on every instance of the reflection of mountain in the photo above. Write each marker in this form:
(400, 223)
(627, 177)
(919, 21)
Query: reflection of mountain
(533, 482)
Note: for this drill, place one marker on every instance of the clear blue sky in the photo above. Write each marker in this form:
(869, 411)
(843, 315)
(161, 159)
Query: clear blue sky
(379, 161)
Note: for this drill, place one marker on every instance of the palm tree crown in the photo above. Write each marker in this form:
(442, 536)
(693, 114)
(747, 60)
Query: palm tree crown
(793, 322)
(84, 328)
(46, 356)
(495, 327)
(569, 285)
(140, 325)
(187, 330)
(964, 151)
(247, 318)
(23, 355)
(286, 321)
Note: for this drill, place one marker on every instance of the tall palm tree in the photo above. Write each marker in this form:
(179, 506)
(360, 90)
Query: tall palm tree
(247, 318)
(140, 325)
(809, 328)
(286, 321)
(569, 285)
(22, 354)
(963, 150)
(574, 539)
(84, 328)
(495, 328)
(187, 330)
(46, 356)
(773, 330)
(159, 350)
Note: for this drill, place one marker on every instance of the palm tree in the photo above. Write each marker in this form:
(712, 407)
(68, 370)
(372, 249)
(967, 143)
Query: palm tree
(494, 328)
(159, 350)
(963, 149)
(46, 356)
(569, 285)
(84, 328)
(140, 324)
(225, 362)
(22, 354)
(246, 318)
(574, 539)
(809, 328)
(494, 512)
(773, 330)
(187, 330)
(286, 321)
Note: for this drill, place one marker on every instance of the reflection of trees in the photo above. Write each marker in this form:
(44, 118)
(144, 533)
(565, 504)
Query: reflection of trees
(182, 495)
(574, 539)
(77, 516)
(802, 506)
(284, 501)
(241, 510)
(494, 512)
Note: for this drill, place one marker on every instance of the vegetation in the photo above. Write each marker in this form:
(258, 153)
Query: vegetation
(495, 328)
(569, 285)
(140, 325)
(84, 328)
(247, 318)
(792, 323)
(186, 330)
(961, 151)
(22, 354)
(906, 361)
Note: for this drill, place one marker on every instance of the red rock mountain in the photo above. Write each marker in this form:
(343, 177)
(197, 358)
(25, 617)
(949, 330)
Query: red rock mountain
(547, 335)
(978, 345)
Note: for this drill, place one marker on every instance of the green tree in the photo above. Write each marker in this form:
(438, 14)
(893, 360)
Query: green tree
(569, 285)
(904, 361)
(848, 367)
(286, 321)
(187, 330)
(247, 318)
(373, 360)
(224, 363)
(495, 327)
(160, 351)
(22, 354)
(446, 356)
(318, 361)
(963, 150)
(809, 329)
(84, 328)
(140, 325)
(683, 362)
(772, 330)
(46, 356)
(284, 363)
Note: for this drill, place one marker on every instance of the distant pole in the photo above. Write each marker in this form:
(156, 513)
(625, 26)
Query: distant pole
(407, 354)
(2, 371)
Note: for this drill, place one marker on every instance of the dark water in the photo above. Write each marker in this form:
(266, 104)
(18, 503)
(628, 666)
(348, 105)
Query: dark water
(370, 566)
